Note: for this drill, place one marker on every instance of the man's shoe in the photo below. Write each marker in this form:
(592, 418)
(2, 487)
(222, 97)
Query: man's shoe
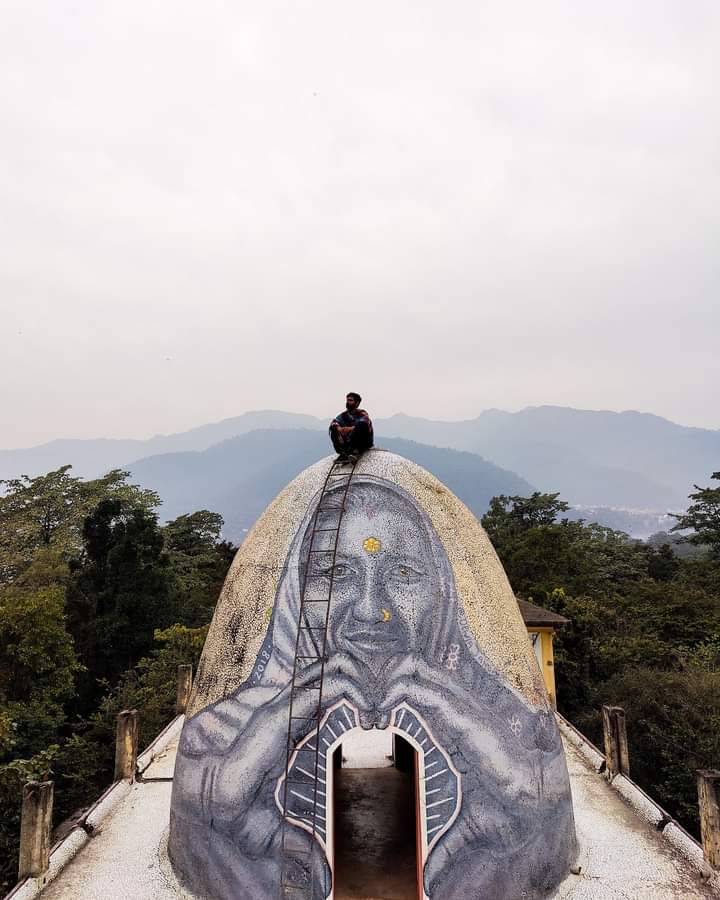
(341, 458)
(353, 458)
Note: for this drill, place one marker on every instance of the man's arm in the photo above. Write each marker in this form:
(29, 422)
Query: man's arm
(337, 425)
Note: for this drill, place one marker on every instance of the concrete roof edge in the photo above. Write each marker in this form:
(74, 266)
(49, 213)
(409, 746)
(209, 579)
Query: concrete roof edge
(64, 851)
(166, 736)
(643, 805)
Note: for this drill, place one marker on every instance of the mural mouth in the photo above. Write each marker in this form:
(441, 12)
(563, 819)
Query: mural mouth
(370, 640)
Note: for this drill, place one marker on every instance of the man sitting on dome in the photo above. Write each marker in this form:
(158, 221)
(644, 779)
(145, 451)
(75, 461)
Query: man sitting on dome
(351, 431)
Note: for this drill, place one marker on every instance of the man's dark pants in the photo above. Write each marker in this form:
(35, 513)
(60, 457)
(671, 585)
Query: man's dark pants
(358, 441)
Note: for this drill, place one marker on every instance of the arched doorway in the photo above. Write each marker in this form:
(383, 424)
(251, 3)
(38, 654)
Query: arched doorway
(436, 782)
(375, 817)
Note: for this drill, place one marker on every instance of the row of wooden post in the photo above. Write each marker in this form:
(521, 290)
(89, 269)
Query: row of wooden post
(37, 798)
(37, 803)
(617, 762)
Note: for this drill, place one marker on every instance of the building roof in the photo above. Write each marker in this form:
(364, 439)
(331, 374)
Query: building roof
(623, 852)
(540, 618)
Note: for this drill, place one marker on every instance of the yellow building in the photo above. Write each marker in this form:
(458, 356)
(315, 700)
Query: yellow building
(541, 625)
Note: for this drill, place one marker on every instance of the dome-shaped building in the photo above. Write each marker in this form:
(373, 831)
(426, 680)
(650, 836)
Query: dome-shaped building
(371, 600)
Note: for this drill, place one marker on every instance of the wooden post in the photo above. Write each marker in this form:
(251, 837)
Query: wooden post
(126, 745)
(184, 687)
(617, 756)
(35, 829)
(708, 785)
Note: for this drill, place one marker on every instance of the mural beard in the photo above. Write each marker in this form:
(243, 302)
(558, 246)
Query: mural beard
(397, 637)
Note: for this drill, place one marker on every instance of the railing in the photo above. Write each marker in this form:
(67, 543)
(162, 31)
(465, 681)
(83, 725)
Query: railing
(37, 798)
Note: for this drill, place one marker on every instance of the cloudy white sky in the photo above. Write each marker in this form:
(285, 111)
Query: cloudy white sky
(212, 207)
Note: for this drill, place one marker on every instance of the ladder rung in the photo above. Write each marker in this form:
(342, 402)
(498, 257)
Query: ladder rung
(306, 718)
(309, 657)
(297, 699)
(314, 600)
(309, 617)
(321, 551)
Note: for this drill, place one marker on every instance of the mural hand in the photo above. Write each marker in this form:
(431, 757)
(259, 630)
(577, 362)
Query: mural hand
(456, 714)
(343, 679)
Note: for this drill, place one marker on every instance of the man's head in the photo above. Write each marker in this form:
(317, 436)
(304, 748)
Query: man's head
(352, 401)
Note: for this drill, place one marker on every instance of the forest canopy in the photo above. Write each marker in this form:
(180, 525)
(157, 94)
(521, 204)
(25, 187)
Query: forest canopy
(644, 631)
(99, 604)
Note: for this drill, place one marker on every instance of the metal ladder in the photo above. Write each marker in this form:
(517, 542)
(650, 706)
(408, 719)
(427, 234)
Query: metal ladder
(310, 648)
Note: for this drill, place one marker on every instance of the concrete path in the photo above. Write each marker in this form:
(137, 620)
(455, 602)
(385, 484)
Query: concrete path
(375, 834)
(622, 856)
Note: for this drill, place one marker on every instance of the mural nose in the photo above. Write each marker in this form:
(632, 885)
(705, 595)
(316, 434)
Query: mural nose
(366, 607)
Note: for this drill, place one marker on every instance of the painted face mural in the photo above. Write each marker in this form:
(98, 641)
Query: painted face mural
(495, 807)
(386, 582)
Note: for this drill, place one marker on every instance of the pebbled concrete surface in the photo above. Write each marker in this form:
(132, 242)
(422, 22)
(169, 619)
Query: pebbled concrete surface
(121, 861)
(622, 856)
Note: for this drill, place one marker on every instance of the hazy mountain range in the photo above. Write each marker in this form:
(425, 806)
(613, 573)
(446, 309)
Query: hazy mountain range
(595, 459)
(240, 476)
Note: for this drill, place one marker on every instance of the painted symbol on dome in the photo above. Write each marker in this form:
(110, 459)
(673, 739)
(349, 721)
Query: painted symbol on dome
(452, 658)
(515, 725)
(387, 615)
(372, 545)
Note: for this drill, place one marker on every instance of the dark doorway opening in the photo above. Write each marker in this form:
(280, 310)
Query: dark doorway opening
(375, 816)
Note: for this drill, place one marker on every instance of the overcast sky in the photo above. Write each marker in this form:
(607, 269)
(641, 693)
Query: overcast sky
(207, 208)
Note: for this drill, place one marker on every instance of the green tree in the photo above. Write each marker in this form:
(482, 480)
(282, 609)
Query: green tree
(38, 664)
(49, 510)
(199, 560)
(703, 517)
(151, 686)
(541, 553)
(644, 632)
(673, 730)
(663, 563)
(508, 518)
(120, 590)
(82, 764)
(195, 534)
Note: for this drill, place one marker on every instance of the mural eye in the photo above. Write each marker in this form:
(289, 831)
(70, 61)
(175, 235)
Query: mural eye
(338, 571)
(405, 572)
